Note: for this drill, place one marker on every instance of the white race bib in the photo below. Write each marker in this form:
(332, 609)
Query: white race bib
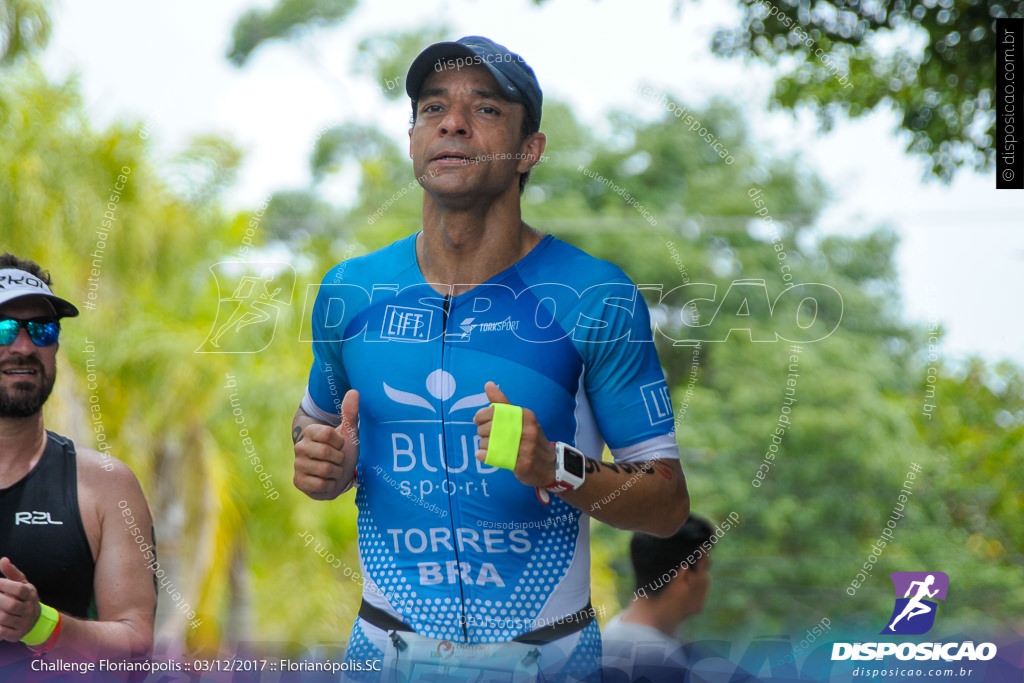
(412, 657)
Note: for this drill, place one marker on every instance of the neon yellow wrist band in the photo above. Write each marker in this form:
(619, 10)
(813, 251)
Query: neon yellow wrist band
(503, 443)
(41, 632)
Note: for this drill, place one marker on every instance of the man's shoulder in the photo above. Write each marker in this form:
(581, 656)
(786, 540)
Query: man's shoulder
(618, 630)
(102, 471)
(640, 650)
(567, 264)
(385, 265)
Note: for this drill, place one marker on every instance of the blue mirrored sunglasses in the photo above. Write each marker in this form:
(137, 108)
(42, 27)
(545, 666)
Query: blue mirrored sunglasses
(41, 331)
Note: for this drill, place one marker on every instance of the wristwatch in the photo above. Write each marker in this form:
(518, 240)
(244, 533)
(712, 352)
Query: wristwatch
(570, 468)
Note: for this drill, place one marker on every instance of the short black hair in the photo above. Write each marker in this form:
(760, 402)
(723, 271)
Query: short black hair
(653, 557)
(529, 126)
(9, 260)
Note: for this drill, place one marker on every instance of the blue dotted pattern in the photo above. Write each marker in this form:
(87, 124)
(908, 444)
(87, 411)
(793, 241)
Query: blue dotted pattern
(586, 658)
(499, 617)
(361, 649)
(553, 550)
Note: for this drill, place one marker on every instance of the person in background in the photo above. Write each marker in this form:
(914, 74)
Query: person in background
(75, 529)
(673, 576)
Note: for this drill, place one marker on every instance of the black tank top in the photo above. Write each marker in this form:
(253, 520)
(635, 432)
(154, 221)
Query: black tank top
(41, 530)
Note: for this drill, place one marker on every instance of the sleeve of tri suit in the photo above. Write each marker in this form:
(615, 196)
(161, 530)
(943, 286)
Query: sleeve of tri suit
(624, 381)
(327, 379)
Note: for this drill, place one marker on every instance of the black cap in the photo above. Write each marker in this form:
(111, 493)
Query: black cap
(513, 74)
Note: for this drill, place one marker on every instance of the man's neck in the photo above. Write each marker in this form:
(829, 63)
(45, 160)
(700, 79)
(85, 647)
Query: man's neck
(22, 440)
(647, 612)
(470, 246)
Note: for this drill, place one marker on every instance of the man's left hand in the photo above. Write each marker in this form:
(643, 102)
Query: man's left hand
(19, 603)
(535, 463)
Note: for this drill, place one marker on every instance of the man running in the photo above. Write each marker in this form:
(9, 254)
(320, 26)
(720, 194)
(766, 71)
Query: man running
(915, 606)
(480, 366)
(74, 525)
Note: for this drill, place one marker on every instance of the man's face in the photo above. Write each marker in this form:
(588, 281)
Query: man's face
(27, 371)
(467, 141)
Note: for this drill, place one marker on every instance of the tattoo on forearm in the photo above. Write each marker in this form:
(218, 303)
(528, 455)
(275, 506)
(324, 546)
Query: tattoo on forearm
(297, 434)
(629, 468)
(618, 467)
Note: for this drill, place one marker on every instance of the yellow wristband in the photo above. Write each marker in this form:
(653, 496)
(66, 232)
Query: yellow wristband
(503, 442)
(41, 632)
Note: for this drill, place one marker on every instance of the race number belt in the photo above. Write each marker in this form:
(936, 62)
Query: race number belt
(566, 626)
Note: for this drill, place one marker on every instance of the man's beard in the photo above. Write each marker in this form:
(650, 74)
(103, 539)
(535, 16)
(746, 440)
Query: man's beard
(24, 403)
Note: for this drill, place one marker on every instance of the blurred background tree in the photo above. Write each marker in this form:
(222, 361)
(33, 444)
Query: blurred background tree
(239, 557)
(25, 28)
(930, 61)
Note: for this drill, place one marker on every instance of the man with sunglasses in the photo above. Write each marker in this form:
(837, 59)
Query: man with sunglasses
(76, 538)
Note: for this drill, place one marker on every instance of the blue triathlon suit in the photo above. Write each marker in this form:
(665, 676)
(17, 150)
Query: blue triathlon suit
(457, 549)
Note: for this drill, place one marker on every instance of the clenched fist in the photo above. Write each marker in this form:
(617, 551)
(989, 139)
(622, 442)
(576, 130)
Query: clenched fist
(535, 462)
(19, 603)
(325, 456)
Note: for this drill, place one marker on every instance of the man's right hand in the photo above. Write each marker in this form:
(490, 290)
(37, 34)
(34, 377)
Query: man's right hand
(19, 603)
(325, 456)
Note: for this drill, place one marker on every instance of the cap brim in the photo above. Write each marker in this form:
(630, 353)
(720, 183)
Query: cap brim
(62, 307)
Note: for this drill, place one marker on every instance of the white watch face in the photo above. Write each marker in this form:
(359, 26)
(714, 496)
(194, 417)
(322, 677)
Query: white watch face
(571, 465)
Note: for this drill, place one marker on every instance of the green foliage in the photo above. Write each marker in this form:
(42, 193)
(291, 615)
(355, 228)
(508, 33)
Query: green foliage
(295, 215)
(349, 141)
(204, 169)
(25, 28)
(287, 20)
(942, 93)
(977, 434)
(387, 57)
